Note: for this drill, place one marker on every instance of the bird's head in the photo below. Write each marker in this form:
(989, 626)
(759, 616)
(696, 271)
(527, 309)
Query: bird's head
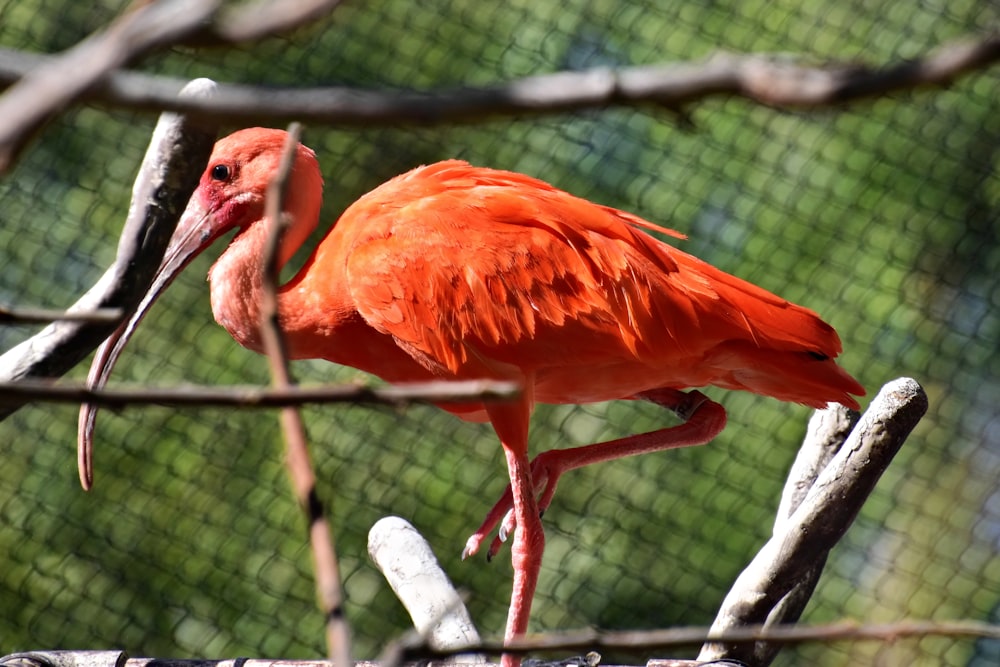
(232, 192)
(231, 195)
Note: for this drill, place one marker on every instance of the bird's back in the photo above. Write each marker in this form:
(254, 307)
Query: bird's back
(478, 272)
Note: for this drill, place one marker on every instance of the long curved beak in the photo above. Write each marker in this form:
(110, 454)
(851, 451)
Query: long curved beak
(193, 234)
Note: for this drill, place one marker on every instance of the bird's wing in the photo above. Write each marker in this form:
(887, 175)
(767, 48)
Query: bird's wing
(477, 272)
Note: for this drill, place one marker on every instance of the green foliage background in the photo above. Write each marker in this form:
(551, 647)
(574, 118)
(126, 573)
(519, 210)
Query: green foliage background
(883, 216)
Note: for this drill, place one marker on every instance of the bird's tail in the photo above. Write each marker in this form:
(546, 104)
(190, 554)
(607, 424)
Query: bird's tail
(803, 377)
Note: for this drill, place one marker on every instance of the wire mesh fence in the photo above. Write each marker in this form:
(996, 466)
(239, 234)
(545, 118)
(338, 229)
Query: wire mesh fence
(881, 215)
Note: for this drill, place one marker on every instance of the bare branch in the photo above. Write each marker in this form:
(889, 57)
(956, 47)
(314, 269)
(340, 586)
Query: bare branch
(62, 79)
(640, 641)
(178, 151)
(768, 79)
(52, 83)
(646, 641)
(257, 20)
(297, 458)
(30, 315)
(195, 396)
(825, 435)
(827, 431)
(822, 517)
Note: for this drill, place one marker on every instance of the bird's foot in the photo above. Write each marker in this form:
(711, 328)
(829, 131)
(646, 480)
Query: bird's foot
(546, 469)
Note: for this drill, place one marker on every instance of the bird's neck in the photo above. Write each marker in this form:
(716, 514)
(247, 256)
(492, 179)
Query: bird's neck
(237, 287)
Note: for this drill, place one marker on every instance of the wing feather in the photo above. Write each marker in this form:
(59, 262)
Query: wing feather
(478, 272)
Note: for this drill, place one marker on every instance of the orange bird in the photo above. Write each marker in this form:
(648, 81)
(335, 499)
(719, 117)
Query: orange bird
(451, 271)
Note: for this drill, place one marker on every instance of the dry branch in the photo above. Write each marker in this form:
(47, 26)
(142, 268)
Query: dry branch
(60, 80)
(297, 458)
(48, 84)
(825, 436)
(177, 153)
(774, 80)
(14, 315)
(820, 520)
(251, 396)
(624, 642)
(257, 20)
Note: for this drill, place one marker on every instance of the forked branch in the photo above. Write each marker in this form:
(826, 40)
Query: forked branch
(811, 530)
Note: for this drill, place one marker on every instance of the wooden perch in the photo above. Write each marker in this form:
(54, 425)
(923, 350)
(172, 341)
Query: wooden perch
(804, 539)
(177, 154)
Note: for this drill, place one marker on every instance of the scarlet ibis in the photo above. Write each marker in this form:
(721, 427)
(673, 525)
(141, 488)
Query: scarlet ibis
(461, 272)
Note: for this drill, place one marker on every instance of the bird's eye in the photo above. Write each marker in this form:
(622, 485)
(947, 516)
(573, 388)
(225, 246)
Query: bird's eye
(220, 172)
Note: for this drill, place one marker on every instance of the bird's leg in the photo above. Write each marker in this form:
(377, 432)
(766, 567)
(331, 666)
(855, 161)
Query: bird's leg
(704, 419)
(511, 423)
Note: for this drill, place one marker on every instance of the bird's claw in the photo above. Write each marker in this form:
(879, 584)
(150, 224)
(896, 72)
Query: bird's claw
(472, 545)
(501, 516)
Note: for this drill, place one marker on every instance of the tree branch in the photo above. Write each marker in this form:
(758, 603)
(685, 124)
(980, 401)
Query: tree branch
(767, 79)
(170, 171)
(642, 641)
(258, 20)
(52, 83)
(821, 519)
(297, 458)
(13, 315)
(194, 396)
(408, 563)
(60, 80)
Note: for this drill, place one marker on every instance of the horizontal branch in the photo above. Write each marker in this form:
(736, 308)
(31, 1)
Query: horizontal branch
(672, 638)
(768, 79)
(636, 642)
(30, 315)
(254, 21)
(248, 396)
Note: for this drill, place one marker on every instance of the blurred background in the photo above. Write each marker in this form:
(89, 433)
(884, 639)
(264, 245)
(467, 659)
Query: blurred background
(883, 216)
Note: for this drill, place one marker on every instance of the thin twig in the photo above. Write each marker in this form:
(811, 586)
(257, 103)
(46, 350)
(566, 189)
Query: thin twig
(822, 518)
(774, 80)
(297, 449)
(253, 397)
(646, 641)
(177, 154)
(28, 315)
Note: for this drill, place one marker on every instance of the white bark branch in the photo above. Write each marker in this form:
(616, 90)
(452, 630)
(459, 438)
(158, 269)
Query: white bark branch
(177, 154)
(412, 570)
(820, 520)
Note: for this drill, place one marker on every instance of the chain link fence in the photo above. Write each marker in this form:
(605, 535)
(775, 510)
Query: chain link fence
(882, 215)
